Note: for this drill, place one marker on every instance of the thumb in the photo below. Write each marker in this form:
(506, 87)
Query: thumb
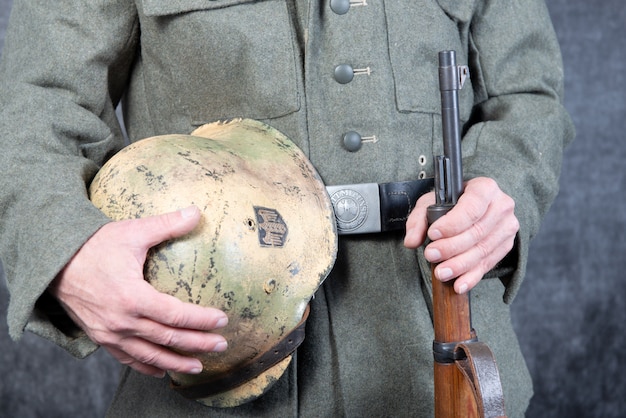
(417, 224)
(156, 229)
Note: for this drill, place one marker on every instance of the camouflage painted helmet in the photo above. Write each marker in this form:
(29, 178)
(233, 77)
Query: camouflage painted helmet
(266, 241)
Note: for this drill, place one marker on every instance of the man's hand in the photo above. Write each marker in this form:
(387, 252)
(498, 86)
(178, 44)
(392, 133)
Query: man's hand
(469, 240)
(103, 290)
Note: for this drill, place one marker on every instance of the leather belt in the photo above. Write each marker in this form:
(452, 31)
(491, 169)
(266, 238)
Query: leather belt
(370, 207)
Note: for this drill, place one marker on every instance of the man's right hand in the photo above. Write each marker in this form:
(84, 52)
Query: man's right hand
(103, 290)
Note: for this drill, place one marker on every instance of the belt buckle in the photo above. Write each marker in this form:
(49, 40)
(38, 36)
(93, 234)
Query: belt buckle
(357, 208)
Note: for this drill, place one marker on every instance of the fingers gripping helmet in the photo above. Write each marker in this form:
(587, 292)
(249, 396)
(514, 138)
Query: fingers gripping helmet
(266, 241)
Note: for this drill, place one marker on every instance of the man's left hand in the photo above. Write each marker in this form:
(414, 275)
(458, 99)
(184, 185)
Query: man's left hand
(469, 240)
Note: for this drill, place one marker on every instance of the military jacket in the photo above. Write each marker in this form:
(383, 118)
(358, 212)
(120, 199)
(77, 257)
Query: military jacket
(315, 70)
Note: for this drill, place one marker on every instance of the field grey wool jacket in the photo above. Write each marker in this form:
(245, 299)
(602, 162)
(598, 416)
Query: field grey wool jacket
(177, 64)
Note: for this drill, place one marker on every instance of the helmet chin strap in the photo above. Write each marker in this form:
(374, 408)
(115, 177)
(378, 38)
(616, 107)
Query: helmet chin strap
(248, 370)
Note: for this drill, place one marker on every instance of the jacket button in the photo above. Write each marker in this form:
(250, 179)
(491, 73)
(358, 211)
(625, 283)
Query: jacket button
(352, 141)
(340, 7)
(344, 73)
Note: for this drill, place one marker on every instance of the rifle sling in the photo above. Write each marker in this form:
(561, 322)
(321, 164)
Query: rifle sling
(478, 365)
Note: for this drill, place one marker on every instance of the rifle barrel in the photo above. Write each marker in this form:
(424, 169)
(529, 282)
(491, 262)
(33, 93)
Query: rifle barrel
(450, 82)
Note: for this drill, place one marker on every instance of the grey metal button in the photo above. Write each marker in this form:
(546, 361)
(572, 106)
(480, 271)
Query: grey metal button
(352, 141)
(344, 73)
(340, 7)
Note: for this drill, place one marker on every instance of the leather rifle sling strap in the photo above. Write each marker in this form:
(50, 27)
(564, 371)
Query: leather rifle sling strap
(478, 365)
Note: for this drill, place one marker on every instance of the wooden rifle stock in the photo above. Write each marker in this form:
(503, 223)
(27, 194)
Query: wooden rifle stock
(467, 382)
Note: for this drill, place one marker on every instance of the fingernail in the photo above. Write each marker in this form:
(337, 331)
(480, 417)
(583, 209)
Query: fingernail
(434, 234)
(196, 369)
(221, 323)
(188, 212)
(432, 254)
(444, 273)
(462, 288)
(221, 346)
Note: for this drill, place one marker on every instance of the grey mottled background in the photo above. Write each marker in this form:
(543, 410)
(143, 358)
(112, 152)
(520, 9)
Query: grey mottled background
(571, 310)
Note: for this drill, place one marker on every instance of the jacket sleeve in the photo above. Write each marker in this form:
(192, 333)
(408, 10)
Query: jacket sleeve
(519, 127)
(63, 70)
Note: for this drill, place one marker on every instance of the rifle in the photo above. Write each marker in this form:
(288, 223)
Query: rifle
(467, 382)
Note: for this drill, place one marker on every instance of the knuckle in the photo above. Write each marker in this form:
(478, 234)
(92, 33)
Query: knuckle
(472, 278)
(117, 325)
(510, 201)
(514, 227)
(165, 223)
(488, 263)
(485, 266)
(122, 356)
(484, 186)
(130, 303)
(462, 266)
(477, 231)
(474, 211)
(452, 247)
(508, 204)
(176, 317)
(127, 361)
(105, 339)
(483, 250)
(169, 338)
(508, 245)
(489, 183)
(149, 357)
(509, 228)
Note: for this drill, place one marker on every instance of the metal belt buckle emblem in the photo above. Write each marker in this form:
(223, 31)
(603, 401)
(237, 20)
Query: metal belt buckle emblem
(357, 208)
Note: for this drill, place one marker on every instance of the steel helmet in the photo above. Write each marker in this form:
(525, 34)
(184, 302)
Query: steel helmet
(266, 241)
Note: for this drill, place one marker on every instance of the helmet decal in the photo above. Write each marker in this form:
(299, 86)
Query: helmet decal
(271, 226)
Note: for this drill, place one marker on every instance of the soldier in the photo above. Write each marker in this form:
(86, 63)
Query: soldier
(354, 85)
